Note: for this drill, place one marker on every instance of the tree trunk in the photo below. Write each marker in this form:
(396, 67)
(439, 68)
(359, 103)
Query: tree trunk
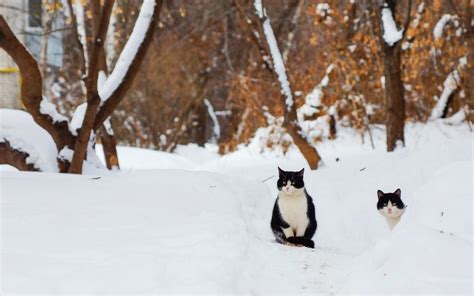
(278, 70)
(309, 152)
(109, 145)
(394, 90)
(394, 96)
(93, 99)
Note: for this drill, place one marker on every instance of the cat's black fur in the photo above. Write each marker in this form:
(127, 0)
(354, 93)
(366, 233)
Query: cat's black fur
(395, 198)
(277, 222)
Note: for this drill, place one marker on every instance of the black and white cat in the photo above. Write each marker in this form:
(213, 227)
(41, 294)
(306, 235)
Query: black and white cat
(294, 218)
(391, 206)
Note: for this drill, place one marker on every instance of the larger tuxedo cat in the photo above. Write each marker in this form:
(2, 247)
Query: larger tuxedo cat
(294, 218)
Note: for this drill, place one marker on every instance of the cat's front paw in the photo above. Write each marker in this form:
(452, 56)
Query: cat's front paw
(310, 244)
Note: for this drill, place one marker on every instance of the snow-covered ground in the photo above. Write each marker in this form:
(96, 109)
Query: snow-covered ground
(196, 222)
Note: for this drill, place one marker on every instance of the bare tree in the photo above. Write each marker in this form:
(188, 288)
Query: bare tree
(264, 38)
(99, 106)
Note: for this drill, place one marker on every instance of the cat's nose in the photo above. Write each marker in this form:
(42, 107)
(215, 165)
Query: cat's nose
(389, 210)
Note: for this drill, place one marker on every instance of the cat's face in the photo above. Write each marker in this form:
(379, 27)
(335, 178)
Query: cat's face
(290, 182)
(390, 204)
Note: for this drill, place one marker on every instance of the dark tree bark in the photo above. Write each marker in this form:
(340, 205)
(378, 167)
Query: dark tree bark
(394, 96)
(109, 144)
(15, 158)
(394, 90)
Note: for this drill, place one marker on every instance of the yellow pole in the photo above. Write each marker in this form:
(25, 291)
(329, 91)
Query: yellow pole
(8, 70)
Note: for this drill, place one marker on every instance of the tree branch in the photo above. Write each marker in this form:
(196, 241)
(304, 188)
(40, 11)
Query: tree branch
(118, 94)
(93, 99)
(31, 89)
(76, 37)
(407, 20)
(15, 158)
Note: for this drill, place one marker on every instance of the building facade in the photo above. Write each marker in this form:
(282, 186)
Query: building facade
(26, 18)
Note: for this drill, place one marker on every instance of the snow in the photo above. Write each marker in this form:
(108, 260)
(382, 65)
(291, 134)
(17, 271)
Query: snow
(48, 108)
(322, 9)
(313, 99)
(77, 118)
(449, 86)
(216, 127)
(391, 34)
(108, 126)
(130, 50)
(278, 64)
(66, 154)
(439, 27)
(198, 222)
(19, 129)
(457, 118)
(318, 127)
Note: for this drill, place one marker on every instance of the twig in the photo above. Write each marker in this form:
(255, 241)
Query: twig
(263, 181)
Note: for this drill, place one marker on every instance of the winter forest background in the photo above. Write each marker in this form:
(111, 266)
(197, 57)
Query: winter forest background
(167, 120)
(207, 76)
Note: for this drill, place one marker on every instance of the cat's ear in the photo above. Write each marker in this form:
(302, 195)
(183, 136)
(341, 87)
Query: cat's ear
(398, 192)
(281, 172)
(301, 173)
(379, 193)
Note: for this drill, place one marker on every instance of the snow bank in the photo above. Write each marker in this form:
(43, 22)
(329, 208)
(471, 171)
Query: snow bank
(18, 128)
(431, 249)
(174, 231)
(132, 159)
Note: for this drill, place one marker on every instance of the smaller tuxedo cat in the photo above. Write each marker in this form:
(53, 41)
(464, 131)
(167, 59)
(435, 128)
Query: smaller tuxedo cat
(391, 206)
(294, 218)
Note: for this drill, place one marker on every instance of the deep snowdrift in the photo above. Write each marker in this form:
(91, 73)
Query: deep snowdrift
(150, 231)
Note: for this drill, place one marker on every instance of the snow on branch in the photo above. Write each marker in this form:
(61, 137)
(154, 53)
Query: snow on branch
(78, 118)
(451, 84)
(278, 64)
(22, 133)
(314, 128)
(439, 27)
(129, 51)
(391, 34)
(48, 108)
(216, 129)
(313, 99)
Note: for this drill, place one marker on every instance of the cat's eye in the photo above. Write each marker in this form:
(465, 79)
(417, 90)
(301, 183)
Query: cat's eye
(394, 204)
(385, 204)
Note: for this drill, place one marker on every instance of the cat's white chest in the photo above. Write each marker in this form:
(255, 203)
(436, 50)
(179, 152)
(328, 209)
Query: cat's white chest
(293, 210)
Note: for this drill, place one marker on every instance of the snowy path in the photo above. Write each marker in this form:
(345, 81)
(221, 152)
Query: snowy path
(201, 232)
(170, 231)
